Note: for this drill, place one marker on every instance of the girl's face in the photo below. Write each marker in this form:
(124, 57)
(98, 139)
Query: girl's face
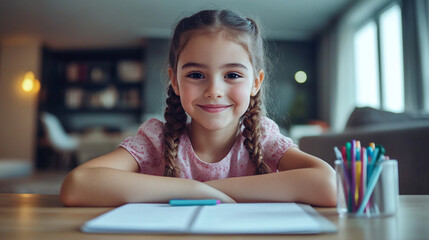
(215, 80)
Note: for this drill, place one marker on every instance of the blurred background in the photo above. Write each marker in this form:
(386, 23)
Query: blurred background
(77, 77)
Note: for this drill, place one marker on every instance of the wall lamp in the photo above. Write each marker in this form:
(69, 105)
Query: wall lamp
(30, 84)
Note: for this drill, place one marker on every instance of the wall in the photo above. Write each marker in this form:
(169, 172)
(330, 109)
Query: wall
(289, 102)
(17, 109)
(156, 77)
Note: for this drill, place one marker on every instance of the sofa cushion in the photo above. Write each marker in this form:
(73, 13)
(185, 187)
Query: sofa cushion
(365, 116)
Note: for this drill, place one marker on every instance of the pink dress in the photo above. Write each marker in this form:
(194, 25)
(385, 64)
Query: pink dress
(146, 148)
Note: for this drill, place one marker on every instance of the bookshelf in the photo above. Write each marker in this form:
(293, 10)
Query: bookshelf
(90, 91)
(93, 87)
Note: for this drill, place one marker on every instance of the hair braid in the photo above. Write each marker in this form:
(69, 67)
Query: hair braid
(175, 124)
(252, 133)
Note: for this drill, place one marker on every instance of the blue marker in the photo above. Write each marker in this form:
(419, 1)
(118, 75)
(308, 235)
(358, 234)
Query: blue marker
(338, 154)
(193, 202)
(372, 182)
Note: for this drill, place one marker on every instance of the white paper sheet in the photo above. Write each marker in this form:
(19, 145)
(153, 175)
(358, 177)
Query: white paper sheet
(241, 218)
(141, 218)
(255, 218)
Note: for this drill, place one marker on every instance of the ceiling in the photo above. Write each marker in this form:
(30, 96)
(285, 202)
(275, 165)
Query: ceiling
(80, 23)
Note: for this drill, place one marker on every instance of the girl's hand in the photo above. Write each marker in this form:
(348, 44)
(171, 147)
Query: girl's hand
(225, 198)
(212, 192)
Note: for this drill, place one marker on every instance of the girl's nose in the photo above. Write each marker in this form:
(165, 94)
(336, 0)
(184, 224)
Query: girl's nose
(214, 89)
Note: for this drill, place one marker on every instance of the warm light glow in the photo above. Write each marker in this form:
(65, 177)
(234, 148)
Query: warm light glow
(30, 84)
(36, 85)
(27, 85)
(300, 77)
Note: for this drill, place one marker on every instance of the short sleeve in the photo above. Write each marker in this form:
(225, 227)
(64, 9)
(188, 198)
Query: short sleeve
(146, 147)
(274, 144)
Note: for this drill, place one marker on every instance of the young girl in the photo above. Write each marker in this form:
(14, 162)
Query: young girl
(228, 151)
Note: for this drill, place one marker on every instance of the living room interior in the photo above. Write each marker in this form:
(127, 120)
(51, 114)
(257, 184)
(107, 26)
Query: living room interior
(78, 77)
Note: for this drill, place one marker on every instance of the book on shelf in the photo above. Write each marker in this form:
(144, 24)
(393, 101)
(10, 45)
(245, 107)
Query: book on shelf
(130, 71)
(74, 98)
(99, 72)
(76, 72)
(109, 97)
(130, 98)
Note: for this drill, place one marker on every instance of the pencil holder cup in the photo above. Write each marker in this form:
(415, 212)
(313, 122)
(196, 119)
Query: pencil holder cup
(374, 195)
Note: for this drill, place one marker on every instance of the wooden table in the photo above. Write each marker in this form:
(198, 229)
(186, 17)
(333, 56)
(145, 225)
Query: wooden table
(35, 216)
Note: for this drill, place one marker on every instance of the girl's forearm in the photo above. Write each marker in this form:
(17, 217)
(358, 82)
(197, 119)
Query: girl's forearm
(112, 187)
(311, 186)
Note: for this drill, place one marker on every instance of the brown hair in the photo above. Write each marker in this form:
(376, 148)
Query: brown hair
(247, 33)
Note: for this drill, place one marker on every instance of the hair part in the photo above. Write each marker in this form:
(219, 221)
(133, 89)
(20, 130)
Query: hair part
(245, 32)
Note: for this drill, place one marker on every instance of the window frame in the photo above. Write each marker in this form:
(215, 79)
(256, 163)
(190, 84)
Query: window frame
(375, 17)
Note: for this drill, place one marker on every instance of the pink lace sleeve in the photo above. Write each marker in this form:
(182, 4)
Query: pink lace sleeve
(146, 147)
(274, 144)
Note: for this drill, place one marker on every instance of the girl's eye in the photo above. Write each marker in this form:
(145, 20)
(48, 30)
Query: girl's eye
(232, 76)
(195, 75)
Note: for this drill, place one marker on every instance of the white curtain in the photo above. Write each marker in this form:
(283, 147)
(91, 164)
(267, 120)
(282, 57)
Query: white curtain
(327, 65)
(336, 66)
(415, 14)
(422, 17)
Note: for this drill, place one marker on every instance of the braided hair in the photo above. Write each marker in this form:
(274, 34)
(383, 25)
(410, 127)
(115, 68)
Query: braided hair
(252, 133)
(175, 124)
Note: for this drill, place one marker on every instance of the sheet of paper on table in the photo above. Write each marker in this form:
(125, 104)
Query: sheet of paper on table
(239, 218)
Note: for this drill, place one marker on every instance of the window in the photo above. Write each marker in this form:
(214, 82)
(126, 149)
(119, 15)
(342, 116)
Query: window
(366, 67)
(379, 62)
(392, 60)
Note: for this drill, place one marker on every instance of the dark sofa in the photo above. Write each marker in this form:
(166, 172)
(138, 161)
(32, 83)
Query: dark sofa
(404, 136)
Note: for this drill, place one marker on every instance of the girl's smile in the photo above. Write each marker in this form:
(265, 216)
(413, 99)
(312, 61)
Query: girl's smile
(214, 108)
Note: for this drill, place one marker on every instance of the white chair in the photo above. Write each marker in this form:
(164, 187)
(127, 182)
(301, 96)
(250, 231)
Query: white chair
(61, 142)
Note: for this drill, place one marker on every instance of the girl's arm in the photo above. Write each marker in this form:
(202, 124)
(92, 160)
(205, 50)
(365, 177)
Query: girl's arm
(113, 179)
(302, 178)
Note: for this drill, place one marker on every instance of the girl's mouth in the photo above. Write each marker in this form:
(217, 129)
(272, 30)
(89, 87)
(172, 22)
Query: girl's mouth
(214, 108)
